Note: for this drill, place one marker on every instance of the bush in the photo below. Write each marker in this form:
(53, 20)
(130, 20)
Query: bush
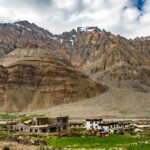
(6, 148)
(3, 126)
(132, 133)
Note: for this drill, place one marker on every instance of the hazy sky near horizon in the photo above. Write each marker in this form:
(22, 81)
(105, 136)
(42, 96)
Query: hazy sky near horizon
(130, 18)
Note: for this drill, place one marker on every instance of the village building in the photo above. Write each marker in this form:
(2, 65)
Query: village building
(73, 125)
(107, 126)
(30, 129)
(123, 125)
(93, 123)
(41, 121)
(99, 124)
(62, 123)
(141, 126)
(41, 125)
(112, 127)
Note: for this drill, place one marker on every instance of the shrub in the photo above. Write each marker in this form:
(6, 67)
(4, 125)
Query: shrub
(6, 148)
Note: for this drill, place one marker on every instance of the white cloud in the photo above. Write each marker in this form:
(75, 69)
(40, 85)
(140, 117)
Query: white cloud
(65, 4)
(117, 16)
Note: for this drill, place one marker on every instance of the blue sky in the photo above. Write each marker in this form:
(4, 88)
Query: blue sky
(139, 4)
(130, 18)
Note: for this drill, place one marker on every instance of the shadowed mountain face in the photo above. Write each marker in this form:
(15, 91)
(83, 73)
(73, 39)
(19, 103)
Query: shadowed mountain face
(40, 70)
(36, 71)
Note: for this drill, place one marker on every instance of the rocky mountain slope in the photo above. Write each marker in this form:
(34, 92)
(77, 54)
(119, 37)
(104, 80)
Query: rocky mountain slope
(107, 57)
(35, 71)
(122, 64)
(41, 70)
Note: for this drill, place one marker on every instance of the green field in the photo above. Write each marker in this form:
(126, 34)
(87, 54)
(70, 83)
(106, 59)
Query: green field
(92, 142)
(139, 147)
(17, 116)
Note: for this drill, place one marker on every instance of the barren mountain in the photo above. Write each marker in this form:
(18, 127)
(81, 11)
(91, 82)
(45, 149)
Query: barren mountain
(41, 70)
(35, 70)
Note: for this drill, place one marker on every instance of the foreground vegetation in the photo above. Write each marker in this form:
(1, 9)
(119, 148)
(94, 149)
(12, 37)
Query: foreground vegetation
(88, 142)
(139, 147)
(92, 142)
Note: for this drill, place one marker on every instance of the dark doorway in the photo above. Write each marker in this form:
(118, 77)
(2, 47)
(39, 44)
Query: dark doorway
(44, 130)
(31, 130)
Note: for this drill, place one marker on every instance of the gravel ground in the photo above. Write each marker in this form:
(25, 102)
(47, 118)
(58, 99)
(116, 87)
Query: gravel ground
(116, 103)
(16, 146)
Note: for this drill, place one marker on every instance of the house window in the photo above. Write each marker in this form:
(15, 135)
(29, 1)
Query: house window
(30, 130)
(95, 122)
(44, 130)
(91, 122)
(64, 120)
(64, 127)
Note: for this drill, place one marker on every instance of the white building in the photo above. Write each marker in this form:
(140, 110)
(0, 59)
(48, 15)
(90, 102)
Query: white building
(93, 123)
(109, 126)
(99, 124)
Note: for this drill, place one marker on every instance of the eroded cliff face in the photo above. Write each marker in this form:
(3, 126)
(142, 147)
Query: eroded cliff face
(36, 71)
(104, 56)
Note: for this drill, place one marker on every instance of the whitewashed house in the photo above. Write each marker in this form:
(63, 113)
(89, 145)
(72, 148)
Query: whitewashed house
(93, 123)
(109, 126)
(99, 124)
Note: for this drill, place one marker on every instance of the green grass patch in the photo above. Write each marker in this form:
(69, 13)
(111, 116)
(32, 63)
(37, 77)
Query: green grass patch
(4, 135)
(139, 147)
(17, 116)
(93, 142)
(8, 116)
(28, 117)
(78, 129)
